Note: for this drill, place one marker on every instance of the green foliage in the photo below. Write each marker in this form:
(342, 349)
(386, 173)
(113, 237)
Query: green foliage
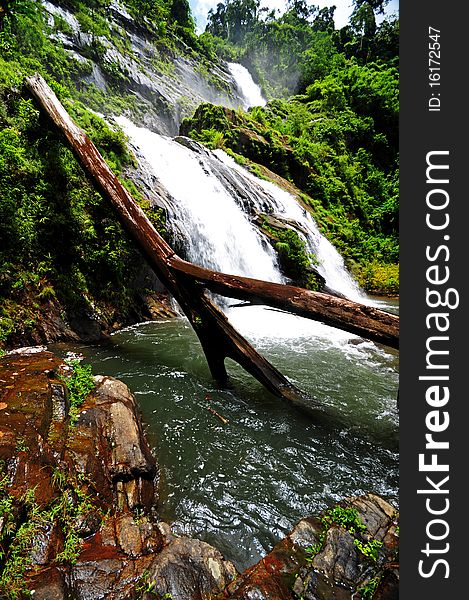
(294, 260)
(215, 46)
(23, 521)
(16, 545)
(79, 385)
(25, 40)
(313, 550)
(369, 549)
(367, 590)
(20, 445)
(144, 585)
(345, 517)
(212, 138)
(375, 277)
(348, 519)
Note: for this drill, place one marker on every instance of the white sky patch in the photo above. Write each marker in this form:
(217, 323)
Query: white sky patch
(342, 13)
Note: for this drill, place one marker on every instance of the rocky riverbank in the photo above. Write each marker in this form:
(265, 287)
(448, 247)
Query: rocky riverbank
(79, 509)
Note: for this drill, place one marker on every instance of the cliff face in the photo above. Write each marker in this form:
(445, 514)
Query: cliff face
(160, 79)
(79, 510)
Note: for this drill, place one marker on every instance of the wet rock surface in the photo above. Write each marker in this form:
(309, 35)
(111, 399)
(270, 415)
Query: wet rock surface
(349, 551)
(79, 511)
(78, 501)
(165, 85)
(56, 321)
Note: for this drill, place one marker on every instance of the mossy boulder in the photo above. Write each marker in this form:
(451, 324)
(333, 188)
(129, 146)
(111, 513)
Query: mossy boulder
(243, 135)
(78, 497)
(347, 551)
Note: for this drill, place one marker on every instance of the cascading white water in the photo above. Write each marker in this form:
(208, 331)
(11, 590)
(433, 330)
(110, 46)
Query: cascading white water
(250, 90)
(208, 213)
(217, 232)
(330, 262)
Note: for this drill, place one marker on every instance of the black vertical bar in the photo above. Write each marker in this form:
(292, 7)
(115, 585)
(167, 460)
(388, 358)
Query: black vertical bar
(434, 234)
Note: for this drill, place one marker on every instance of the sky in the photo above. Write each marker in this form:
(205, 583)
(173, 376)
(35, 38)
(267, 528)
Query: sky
(343, 11)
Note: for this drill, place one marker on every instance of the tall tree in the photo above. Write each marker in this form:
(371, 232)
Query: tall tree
(377, 5)
(301, 10)
(180, 11)
(324, 20)
(234, 19)
(363, 23)
(216, 21)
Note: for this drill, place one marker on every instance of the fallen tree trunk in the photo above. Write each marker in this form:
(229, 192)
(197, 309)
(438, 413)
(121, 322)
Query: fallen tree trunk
(219, 339)
(187, 282)
(360, 319)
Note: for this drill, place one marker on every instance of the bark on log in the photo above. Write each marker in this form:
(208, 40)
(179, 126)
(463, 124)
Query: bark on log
(360, 319)
(187, 282)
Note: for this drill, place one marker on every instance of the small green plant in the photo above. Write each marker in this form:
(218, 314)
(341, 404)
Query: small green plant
(345, 517)
(370, 549)
(79, 385)
(59, 479)
(7, 515)
(16, 541)
(18, 536)
(294, 259)
(139, 515)
(47, 293)
(314, 549)
(72, 548)
(21, 445)
(212, 138)
(367, 591)
(144, 585)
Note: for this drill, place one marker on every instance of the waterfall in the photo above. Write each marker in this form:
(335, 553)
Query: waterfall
(250, 90)
(205, 214)
(213, 202)
(282, 204)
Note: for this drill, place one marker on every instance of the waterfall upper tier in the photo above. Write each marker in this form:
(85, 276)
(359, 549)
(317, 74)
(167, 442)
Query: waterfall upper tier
(207, 214)
(251, 92)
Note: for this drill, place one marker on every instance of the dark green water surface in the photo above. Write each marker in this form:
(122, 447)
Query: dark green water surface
(241, 486)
